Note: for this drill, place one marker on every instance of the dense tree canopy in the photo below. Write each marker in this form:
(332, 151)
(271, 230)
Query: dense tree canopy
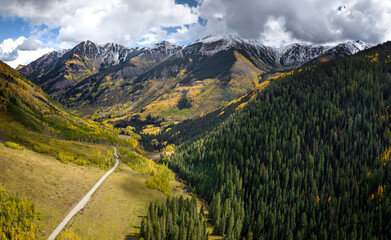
(308, 159)
(177, 218)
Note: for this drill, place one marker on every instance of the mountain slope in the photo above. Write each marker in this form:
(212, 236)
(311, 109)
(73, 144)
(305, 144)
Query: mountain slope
(122, 85)
(307, 159)
(298, 54)
(31, 117)
(190, 83)
(58, 71)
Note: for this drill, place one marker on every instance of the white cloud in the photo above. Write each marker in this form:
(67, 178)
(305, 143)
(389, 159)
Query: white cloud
(141, 22)
(30, 44)
(8, 45)
(153, 36)
(21, 50)
(101, 21)
(315, 21)
(275, 34)
(25, 57)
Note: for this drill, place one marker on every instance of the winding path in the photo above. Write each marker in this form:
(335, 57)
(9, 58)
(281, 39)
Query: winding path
(83, 202)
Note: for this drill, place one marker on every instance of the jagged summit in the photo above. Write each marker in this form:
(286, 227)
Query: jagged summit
(214, 43)
(296, 54)
(210, 38)
(292, 55)
(164, 47)
(355, 46)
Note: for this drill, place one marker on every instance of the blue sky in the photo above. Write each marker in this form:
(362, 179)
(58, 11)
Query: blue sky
(13, 28)
(29, 29)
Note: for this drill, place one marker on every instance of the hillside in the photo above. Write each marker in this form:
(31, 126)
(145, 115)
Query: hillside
(192, 129)
(307, 159)
(53, 158)
(125, 86)
(24, 102)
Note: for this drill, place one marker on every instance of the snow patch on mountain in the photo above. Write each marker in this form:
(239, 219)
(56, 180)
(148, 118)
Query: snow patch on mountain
(355, 46)
(163, 47)
(298, 53)
(293, 55)
(212, 44)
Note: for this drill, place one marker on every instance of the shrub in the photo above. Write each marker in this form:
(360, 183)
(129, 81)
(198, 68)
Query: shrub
(40, 148)
(82, 161)
(161, 182)
(19, 217)
(162, 175)
(68, 234)
(13, 145)
(65, 157)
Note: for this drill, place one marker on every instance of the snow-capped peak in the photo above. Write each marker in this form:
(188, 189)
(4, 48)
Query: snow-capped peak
(298, 53)
(54, 54)
(163, 44)
(211, 38)
(212, 44)
(355, 46)
(163, 47)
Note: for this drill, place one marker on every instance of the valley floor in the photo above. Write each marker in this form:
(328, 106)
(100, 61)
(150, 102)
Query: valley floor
(53, 186)
(114, 210)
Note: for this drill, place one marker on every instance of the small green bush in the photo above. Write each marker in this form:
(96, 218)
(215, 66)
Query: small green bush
(65, 157)
(82, 161)
(40, 148)
(13, 145)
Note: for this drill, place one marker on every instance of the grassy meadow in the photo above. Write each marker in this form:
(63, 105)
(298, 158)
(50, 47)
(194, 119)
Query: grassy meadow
(114, 211)
(53, 186)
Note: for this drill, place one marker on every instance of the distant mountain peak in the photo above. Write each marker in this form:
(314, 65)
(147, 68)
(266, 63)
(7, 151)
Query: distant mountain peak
(296, 54)
(211, 44)
(163, 47)
(20, 66)
(355, 46)
(163, 43)
(217, 37)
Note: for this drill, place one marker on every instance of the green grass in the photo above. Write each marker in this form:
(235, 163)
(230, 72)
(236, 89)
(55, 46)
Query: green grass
(115, 209)
(118, 206)
(54, 187)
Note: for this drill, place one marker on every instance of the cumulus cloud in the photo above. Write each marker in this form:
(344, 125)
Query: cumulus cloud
(9, 56)
(30, 44)
(21, 50)
(143, 22)
(9, 49)
(275, 33)
(101, 21)
(314, 21)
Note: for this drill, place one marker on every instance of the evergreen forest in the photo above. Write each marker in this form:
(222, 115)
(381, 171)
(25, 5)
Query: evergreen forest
(307, 159)
(177, 218)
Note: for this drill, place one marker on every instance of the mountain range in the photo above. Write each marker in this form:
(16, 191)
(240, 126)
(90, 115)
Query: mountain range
(120, 84)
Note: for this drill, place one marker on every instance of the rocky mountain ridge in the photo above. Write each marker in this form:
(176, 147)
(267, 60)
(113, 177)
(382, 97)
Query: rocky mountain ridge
(111, 81)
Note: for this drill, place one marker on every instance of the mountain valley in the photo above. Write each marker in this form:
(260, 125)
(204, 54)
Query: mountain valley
(124, 86)
(195, 120)
(244, 126)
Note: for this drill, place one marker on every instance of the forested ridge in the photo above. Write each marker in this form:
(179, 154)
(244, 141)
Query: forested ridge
(308, 159)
